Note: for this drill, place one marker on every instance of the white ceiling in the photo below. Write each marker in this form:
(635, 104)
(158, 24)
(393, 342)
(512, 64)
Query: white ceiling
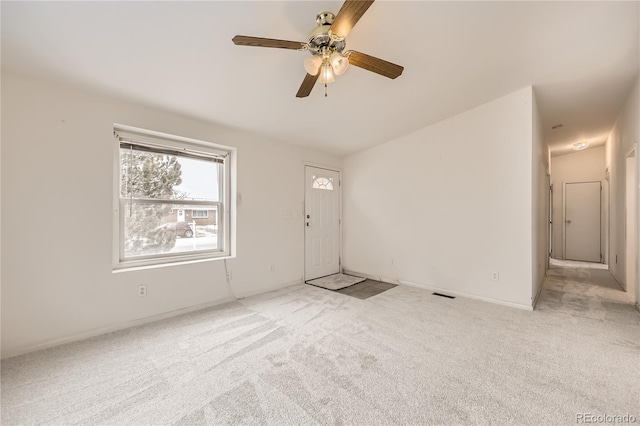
(581, 57)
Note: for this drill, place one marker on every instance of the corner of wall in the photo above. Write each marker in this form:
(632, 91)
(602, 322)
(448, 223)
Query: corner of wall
(540, 181)
(625, 132)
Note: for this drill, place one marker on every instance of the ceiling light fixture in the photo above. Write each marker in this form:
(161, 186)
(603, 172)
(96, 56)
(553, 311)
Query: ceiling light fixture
(578, 146)
(327, 73)
(329, 62)
(312, 64)
(327, 43)
(339, 63)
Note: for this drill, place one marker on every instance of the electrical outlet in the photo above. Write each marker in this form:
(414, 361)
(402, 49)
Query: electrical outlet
(142, 290)
(229, 275)
(495, 276)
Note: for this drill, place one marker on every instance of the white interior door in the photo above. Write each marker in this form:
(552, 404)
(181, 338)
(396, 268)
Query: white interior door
(322, 222)
(582, 221)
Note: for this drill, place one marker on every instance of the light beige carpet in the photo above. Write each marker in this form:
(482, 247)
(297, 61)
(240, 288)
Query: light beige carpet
(336, 281)
(307, 356)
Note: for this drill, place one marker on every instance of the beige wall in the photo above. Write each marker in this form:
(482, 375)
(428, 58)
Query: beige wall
(580, 166)
(446, 206)
(57, 279)
(540, 203)
(624, 135)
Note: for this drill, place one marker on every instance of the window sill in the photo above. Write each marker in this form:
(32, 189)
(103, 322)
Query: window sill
(131, 268)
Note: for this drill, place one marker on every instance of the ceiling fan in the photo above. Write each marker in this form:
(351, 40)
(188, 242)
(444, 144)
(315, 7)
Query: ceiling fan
(327, 42)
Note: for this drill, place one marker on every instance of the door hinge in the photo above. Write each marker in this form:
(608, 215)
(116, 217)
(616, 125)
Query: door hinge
(340, 261)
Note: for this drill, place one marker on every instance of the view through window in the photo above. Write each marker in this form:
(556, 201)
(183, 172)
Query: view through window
(171, 203)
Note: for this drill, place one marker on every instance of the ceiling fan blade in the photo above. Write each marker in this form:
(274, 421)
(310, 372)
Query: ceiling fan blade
(241, 40)
(307, 85)
(348, 16)
(373, 64)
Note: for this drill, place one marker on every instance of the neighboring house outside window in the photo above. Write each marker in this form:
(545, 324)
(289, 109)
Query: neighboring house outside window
(200, 214)
(172, 199)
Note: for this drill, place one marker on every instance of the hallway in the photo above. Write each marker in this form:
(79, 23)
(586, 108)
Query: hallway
(582, 289)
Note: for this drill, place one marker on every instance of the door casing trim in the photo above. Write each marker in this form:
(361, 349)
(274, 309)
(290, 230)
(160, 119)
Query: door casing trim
(304, 212)
(564, 217)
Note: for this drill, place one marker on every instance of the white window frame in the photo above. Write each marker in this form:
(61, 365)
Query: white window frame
(174, 144)
(206, 214)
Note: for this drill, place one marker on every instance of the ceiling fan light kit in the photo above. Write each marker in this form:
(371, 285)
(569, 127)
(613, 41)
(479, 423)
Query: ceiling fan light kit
(327, 42)
(327, 75)
(339, 63)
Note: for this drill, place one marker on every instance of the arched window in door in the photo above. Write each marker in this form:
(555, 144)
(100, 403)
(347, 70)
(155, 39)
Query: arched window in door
(322, 183)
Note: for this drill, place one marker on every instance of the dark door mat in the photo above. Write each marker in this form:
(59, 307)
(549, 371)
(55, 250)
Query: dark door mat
(366, 289)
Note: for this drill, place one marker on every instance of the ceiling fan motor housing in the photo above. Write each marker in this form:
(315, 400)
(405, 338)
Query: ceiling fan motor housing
(320, 41)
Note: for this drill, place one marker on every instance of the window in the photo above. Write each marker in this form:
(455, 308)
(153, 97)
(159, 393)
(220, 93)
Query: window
(323, 183)
(200, 214)
(160, 178)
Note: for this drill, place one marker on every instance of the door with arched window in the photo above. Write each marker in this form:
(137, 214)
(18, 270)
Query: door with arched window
(322, 222)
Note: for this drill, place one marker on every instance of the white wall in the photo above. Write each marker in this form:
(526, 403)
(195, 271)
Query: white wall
(57, 280)
(579, 166)
(0, 226)
(448, 204)
(625, 133)
(540, 203)
(630, 223)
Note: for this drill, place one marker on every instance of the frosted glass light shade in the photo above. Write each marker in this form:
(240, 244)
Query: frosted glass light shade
(312, 65)
(326, 74)
(578, 146)
(339, 63)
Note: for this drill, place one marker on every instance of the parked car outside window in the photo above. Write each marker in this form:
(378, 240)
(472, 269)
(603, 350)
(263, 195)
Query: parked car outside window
(182, 229)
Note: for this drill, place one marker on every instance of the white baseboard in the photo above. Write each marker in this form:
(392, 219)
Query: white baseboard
(537, 296)
(110, 329)
(620, 283)
(268, 289)
(135, 323)
(443, 291)
(371, 277)
(467, 295)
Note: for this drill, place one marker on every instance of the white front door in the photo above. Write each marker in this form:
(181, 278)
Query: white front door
(322, 222)
(582, 221)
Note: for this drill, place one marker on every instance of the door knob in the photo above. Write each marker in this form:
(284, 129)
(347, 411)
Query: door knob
(308, 216)
(568, 221)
